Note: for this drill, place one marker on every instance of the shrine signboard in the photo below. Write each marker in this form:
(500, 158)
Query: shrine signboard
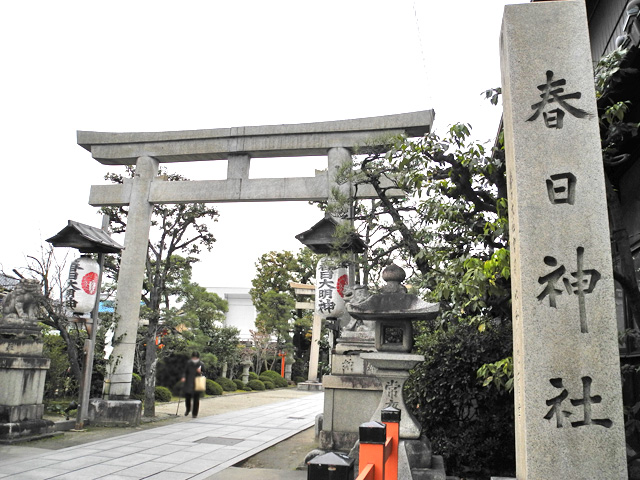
(568, 397)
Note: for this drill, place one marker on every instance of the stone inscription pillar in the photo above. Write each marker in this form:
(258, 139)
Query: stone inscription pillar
(130, 278)
(568, 403)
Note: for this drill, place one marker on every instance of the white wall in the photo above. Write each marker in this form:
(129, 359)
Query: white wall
(242, 313)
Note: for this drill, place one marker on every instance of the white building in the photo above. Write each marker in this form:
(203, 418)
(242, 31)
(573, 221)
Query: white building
(242, 313)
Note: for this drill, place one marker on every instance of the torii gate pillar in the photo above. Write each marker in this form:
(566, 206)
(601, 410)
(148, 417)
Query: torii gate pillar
(130, 279)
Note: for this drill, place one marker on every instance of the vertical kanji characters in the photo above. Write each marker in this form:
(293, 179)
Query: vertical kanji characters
(584, 282)
(562, 188)
(552, 92)
(586, 402)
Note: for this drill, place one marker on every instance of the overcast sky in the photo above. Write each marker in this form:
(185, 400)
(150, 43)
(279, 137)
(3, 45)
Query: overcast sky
(124, 66)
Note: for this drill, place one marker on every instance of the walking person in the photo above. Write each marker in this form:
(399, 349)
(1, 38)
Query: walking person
(194, 368)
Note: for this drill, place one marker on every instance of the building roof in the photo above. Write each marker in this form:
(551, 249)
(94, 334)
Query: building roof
(8, 282)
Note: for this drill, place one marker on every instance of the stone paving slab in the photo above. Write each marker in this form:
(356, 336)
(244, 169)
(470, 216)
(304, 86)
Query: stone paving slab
(185, 450)
(233, 473)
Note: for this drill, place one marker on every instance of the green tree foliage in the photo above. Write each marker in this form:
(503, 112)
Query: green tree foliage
(274, 300)
(450, 228)
(177, 230)
(59, 382)
(471, 425)
(197, 325)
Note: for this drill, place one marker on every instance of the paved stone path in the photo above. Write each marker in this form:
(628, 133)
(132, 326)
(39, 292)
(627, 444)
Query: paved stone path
(192, 450)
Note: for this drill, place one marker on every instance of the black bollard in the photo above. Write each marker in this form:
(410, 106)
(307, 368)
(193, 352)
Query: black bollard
(330, 466)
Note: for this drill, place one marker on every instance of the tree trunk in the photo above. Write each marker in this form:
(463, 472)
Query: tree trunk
(72, 353)
(150, 363)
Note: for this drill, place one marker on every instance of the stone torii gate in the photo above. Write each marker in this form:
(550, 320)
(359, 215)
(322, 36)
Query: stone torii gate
(238, 145)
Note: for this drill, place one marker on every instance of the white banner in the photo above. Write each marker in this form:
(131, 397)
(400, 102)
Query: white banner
(330, 285)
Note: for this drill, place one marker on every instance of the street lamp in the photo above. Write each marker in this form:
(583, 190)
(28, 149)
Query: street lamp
(88, 239)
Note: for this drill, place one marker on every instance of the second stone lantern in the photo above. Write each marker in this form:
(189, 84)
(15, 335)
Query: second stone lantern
(393, 311)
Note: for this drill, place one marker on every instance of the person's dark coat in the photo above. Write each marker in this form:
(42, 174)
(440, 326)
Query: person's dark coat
(190, 374)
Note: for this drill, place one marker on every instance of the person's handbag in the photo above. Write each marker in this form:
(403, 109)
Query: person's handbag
(200, 383)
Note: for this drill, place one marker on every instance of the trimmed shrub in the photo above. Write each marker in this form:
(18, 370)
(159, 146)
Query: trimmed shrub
(137, 386)
(213, 388)
(274, 378)
(268, 385)
(163, 394)
(238, 383)
(299, 379)
(247, 388)
(256, 385)
(226, 384)
(470, 425)
(253, 376)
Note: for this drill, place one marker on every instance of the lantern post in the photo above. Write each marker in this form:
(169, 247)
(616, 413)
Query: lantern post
(88, 239)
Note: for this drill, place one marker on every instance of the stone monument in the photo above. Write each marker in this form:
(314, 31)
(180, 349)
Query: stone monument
(22, 366)
(568, 415)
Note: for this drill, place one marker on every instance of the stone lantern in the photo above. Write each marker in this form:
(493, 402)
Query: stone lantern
(393, 311)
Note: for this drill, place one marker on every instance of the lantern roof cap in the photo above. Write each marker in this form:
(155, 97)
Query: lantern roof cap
(320, 238)
(85, 238)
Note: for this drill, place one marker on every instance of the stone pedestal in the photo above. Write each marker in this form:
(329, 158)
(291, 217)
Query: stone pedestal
(352, 393)
(349, 401)
(22, 374)
(392, 373)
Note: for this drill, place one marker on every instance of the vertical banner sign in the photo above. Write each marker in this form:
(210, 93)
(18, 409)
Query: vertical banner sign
(568, 402)
(83, 285)
(330, 285)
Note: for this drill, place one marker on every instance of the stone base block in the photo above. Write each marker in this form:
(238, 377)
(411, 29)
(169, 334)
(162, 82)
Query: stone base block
(19, 413)
(351, 364)
(114, 413)
(22, 379)
(436, 472)
(416, 462)
(13, 432)
(337, 441)
(20, 347)
(349, 401)
(310, 386)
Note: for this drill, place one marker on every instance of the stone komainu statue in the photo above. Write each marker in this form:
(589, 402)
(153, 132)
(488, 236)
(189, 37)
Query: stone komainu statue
(22, 301)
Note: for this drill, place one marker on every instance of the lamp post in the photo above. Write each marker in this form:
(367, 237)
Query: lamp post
(88, 239)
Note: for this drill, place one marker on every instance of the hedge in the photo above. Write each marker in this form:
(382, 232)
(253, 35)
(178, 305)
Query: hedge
(275, 378)
(256, 385)
(238, 383)
(227, 384)
(162, 394)
(213, 388)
